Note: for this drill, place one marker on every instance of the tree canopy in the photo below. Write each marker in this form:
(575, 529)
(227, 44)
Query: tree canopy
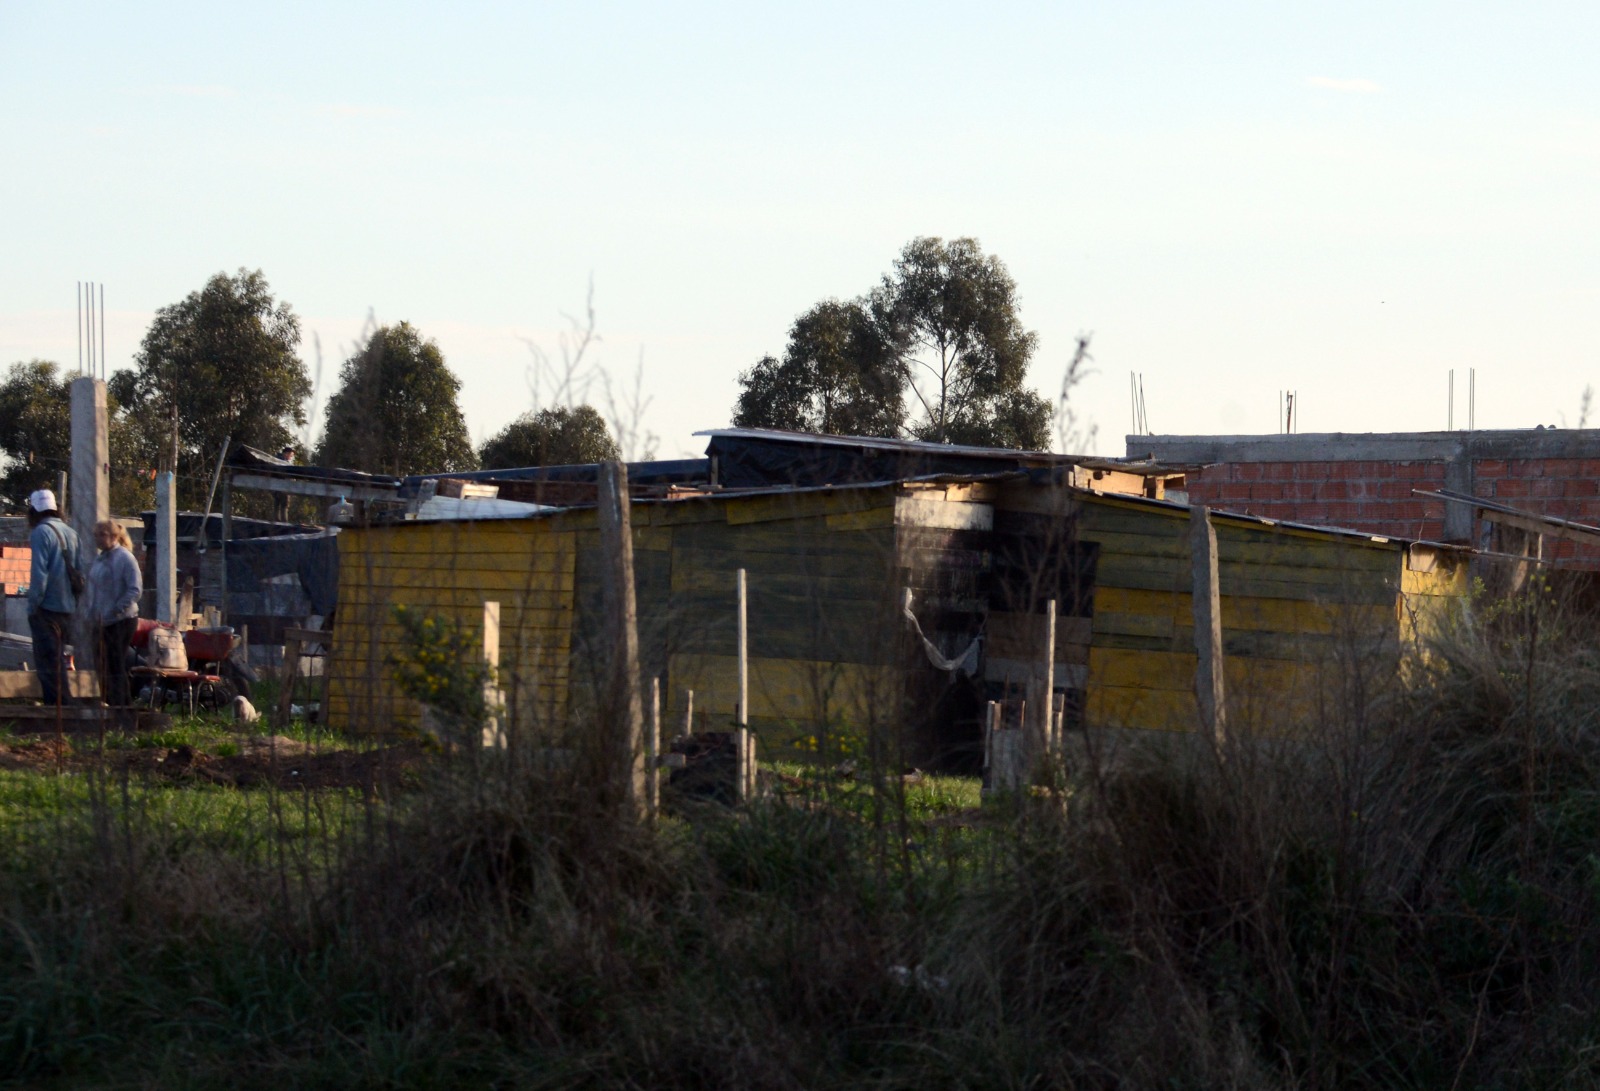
(220, 363)
(939, 336)
(962, 349)
(36, 437)
(839, 375)
(559, 436)
(395, 411)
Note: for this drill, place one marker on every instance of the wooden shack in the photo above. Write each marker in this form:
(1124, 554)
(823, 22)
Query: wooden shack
(833, 653)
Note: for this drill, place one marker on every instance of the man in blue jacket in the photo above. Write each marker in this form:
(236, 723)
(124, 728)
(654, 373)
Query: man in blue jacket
(51, 600)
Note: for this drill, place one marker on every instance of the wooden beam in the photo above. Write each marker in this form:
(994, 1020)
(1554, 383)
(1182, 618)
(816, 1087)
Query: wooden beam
(24, 685)
(310, 636)
(300, 486)
(1534, 525)
(42, 718)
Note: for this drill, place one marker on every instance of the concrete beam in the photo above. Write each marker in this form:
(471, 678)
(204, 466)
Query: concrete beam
(1369, 446)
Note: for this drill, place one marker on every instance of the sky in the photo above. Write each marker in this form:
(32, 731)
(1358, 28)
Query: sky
(1346, 200)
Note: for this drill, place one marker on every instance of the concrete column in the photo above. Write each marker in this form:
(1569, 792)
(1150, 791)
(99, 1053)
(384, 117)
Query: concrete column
(166, 547)
(89, 491)
(1458, 477)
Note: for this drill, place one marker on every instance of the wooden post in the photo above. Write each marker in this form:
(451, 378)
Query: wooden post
(1047, 684)
(1208, 678)
(494, 729)
(227, 533)
(244, 644)
(688, 712)
(622, 634)
(290, 674)
(744, 775)
(1007, 755)
(742, 712)
(166, 548)
(652, 751)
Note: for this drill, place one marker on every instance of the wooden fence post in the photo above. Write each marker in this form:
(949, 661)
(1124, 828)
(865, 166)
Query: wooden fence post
(494, 728)
(742, 711)
(1047, 686)
(744, 775)
(626, 758)
(290, 674)
(652, 752)
(1208, 678)
(988, 735)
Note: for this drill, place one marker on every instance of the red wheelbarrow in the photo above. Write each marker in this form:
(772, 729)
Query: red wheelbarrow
(198, 686)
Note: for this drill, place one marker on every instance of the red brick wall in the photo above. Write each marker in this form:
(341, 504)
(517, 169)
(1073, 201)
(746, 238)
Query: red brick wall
(14, 562)
(1376, 497)
(1568, 488)
(1372, 496)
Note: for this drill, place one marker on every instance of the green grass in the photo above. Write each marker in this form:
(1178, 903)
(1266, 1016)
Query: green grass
(39, 810)
(925, 795)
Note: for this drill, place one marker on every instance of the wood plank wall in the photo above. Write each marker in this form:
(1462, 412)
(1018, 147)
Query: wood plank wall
(823, 658)
(450, 570)
(1294, 604)
(830, 651)
(823, 622)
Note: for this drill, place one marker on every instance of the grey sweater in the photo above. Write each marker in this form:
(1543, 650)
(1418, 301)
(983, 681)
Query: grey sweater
(114, 586)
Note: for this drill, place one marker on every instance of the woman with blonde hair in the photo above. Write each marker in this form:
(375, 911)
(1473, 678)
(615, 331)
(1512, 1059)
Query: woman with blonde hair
(114, 589)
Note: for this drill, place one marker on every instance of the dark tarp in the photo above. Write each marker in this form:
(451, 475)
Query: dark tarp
(312, 557)
(746, 461)
(250, 460)
(189, 528)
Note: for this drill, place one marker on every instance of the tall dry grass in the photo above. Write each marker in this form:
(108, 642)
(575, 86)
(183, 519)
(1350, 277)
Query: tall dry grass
(1401, 894)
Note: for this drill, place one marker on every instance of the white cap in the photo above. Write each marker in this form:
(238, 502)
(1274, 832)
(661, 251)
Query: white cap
(42, 500)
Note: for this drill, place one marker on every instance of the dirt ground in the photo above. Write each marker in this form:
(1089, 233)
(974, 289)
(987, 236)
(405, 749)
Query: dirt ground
(266, 760)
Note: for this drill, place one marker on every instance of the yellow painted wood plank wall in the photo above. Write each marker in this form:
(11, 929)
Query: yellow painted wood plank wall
(814, 562)
(1294, 604)
(450, 570)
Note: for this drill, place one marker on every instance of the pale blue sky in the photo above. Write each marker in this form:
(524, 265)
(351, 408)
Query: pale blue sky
(1345, 199)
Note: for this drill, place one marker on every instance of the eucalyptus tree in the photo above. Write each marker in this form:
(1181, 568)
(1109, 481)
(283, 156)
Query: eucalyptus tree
(395, 411)
(220, 363)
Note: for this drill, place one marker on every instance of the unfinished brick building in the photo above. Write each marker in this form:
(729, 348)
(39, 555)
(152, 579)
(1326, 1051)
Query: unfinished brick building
(1368, 481)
